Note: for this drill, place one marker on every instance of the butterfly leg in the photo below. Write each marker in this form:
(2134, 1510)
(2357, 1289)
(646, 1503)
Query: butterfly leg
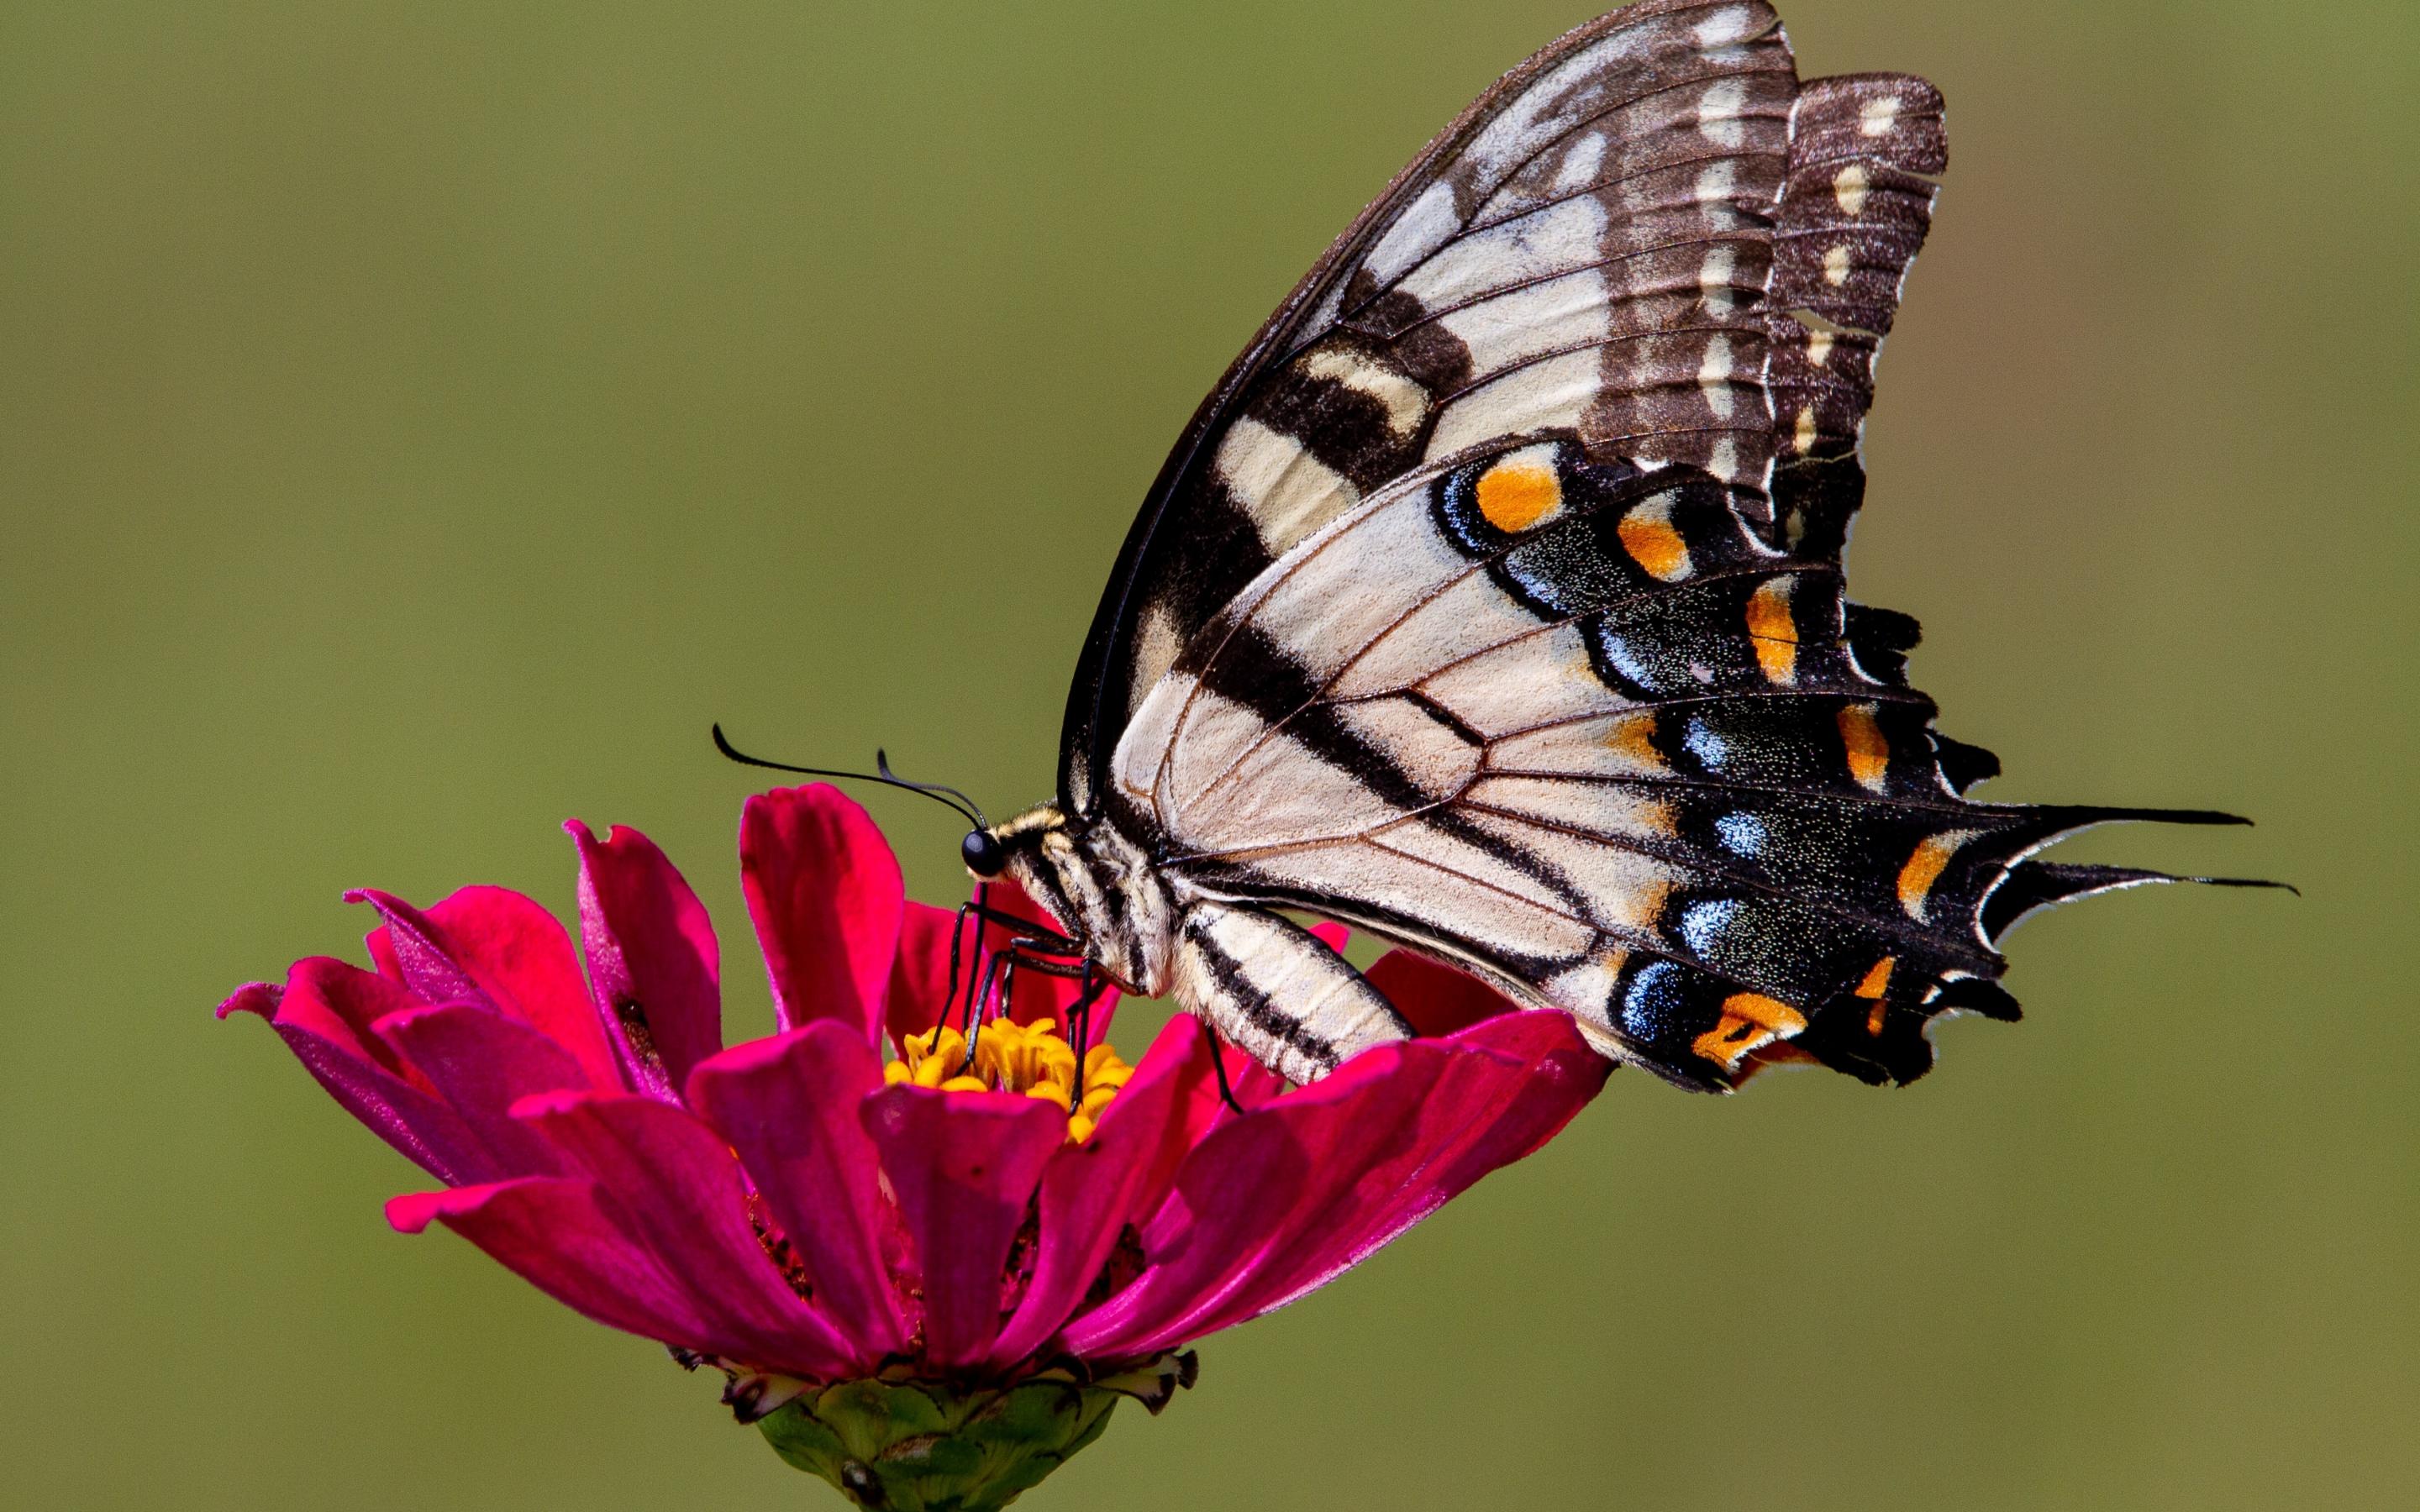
(1219, 1064)
(1276, 990)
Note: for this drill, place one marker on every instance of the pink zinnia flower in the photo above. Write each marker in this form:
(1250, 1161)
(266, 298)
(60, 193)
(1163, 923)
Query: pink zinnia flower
(926, 1280)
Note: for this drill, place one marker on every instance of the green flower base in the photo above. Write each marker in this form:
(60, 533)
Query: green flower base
(921, 1446)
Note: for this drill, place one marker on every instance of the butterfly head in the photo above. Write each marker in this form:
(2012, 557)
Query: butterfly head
(1090, 878)
(984, 853)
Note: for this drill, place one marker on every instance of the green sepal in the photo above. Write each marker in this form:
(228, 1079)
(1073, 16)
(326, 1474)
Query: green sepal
(924, 1446)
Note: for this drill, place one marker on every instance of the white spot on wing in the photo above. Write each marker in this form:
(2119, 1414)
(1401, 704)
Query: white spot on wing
(1836, 264)
(1288, 492)
(1715, 376)
(1849, 188)
(1718, 113)
(1714, 277)
(1877, 117)
(1406, 402)
(1723, 459)
(1724, 26)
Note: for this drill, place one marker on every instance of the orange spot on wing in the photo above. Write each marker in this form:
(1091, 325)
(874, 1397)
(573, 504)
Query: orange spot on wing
(1632, 736)
(1878, 980)
(1772, 630)
(1519, 492)
(1868, 748)
(1648, 536)
(1924, 868)
(1750, 1022)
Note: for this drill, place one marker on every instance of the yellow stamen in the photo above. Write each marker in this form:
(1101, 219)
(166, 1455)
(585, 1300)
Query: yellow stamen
(1032, 1059)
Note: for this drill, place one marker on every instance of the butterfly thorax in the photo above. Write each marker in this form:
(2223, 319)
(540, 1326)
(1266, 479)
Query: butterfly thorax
(1103, 889)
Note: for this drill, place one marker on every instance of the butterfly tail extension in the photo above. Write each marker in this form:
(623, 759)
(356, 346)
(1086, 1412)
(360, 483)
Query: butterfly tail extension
(1980, 882)
(1276, 991)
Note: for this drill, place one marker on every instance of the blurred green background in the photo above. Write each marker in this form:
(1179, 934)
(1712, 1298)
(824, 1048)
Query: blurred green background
(417, 421)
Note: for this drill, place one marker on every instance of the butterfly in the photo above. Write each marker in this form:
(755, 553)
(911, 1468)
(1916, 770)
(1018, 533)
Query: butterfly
(1493, 602)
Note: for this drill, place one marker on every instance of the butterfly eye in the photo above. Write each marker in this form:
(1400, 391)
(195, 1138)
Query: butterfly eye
(983, 853)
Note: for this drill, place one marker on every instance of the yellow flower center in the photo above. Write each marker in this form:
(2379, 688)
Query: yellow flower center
(1032, 1059)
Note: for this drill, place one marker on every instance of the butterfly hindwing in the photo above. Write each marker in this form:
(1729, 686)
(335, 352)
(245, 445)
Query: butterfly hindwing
(1582, 728)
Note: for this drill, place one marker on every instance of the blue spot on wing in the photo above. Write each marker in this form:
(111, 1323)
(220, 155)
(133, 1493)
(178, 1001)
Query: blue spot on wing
(1702, 924)
(1654, 1006)
(1742, 834)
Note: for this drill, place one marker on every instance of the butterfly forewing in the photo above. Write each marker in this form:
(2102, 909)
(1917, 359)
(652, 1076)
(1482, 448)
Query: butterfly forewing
(1584, 250)
(1494, 600)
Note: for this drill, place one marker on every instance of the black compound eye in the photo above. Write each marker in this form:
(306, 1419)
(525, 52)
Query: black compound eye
(984, 853)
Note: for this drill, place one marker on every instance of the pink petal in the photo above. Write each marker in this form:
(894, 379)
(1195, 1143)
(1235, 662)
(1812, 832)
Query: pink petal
(653, 968)
(323, 1013)
(1091, 1191)
(824, 891)
(679, 1190)
(1226, 1206)
(494, 947)
(1250, 1082)
(555, 1233)
(1437, 998)
(920, 979)
(482, 1063)
(789, 1107)
(1507, 1085)
(1218, 1233)
(963, 1166)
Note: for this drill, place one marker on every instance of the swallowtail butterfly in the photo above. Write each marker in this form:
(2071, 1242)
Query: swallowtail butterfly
(1493, 602)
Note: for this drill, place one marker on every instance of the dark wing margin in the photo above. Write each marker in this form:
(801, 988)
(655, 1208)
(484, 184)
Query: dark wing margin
(1866, 154)
(1612, 198)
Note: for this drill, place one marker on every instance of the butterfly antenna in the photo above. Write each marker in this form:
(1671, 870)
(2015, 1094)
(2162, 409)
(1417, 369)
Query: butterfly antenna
(882, 764)
(947, 796)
